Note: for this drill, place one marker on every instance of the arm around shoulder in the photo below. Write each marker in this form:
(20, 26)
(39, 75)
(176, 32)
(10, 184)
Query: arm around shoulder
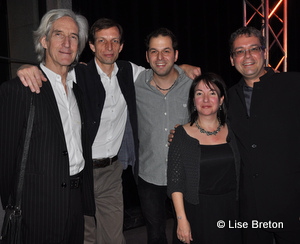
(31, 76)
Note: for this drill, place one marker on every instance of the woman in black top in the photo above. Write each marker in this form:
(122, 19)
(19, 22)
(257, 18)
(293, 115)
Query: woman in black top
(203, 168)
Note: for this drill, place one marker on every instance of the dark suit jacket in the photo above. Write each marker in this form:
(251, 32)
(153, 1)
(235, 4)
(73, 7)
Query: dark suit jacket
(46, 190)
(269, 143)
(90, 82)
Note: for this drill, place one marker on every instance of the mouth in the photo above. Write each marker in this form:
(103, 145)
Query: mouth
(108, 55)
(65, 53)
(248, 63)
(160, 64)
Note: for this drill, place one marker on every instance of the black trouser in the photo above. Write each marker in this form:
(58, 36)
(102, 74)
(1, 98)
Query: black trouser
(74, 232)
(153, 204)
(261, 236)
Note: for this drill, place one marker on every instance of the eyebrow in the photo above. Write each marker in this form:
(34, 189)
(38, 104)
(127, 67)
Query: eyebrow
(60, 31)
(252, 45)
(167, 48)
(210, 89)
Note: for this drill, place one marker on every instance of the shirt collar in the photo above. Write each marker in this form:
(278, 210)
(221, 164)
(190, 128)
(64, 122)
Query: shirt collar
(269, 73)
(54, 78)
(101, 73)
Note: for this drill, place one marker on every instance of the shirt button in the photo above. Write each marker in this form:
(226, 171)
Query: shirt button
(254, 146)
(255, 176)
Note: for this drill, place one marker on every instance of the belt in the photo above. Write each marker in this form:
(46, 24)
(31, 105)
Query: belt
(103, 162)
(75, 181)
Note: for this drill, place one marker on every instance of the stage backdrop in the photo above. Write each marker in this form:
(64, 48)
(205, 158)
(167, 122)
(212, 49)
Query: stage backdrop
(202, 27)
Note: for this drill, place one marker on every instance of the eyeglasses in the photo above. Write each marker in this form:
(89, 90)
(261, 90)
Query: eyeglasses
(252, 50)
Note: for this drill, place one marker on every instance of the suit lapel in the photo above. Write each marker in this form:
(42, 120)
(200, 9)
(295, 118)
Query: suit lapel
(96, 82)
(240, 93)
(50, 99)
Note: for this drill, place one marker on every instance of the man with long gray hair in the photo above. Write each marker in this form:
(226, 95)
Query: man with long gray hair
(58, 183)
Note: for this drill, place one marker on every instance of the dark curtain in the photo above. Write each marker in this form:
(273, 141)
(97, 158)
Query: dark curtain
(4, 47)
(202, 28)
(293, 36)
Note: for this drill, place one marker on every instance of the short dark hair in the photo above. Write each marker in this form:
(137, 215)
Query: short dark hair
(162, 32)
(247, 31)
(104, 23)
(212, 80)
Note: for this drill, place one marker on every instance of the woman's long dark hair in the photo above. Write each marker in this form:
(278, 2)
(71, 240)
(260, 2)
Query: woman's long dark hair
(212, 80)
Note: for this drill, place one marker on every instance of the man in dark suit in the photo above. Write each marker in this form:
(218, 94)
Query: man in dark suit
(58, 185)
(265, 116)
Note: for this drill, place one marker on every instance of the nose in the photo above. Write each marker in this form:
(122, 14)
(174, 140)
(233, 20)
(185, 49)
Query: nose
(66, 41)
(247, 53)
(109, 46)
(159, 55)
(205, 98)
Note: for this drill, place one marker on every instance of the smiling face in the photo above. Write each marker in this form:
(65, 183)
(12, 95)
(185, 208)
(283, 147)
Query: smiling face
(107, 46)
(161, 56)
(61, 45)
(251, 64)
(207, 99)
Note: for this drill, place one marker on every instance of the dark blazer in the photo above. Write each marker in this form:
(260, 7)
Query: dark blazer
(90, 82)
(269, 142)
(46, 190)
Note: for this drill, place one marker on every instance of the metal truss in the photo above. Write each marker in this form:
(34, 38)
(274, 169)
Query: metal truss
(271, 17)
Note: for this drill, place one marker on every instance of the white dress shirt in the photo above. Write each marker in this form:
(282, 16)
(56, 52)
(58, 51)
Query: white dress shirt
(70, 117)
(114, 115)
(113, 118)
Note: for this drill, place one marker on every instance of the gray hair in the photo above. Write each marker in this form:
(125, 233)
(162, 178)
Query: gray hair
(45, 26)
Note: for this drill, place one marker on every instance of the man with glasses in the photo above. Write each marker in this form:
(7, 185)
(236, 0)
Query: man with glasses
(264, 112)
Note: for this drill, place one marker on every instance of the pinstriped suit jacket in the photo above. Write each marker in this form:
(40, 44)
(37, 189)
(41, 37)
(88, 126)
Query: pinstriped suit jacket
(46, 188)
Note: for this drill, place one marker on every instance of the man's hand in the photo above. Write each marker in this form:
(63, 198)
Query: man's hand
(171, 135)
(191, 71)
(31, 76)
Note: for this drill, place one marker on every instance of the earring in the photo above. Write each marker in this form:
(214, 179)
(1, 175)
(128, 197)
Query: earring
(220, 107)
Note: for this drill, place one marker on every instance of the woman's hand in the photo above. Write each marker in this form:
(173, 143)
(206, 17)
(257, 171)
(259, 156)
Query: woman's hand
(184, 231)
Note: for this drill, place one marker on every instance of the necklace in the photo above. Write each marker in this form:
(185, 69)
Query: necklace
(209, 133)
(164, 89)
